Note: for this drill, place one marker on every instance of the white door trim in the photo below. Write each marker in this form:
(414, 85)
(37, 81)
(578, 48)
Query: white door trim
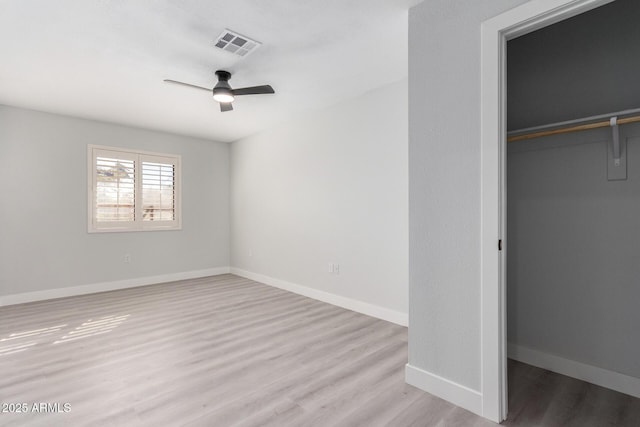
(521, 20)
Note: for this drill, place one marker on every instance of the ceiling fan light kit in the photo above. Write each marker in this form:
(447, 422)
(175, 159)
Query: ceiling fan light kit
(223, 93)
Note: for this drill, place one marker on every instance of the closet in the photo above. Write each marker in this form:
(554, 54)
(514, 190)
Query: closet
(573, 197)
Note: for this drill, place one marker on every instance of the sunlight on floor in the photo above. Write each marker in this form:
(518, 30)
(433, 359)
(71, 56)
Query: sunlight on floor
(16, 342)
(93, 327)
(21, 341)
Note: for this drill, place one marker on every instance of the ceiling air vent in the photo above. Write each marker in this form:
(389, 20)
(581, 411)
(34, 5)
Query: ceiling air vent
(236, 43)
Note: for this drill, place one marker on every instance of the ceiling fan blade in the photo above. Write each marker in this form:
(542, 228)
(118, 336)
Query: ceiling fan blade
(254, 90)
(226, 106)
(187, 84)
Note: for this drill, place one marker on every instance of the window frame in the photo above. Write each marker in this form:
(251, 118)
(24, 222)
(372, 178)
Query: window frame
(138, 157)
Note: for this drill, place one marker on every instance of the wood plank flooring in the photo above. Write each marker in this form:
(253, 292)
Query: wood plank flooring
(538, 397)
(227, 351)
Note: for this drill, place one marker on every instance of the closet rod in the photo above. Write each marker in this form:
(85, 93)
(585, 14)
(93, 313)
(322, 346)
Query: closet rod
(572, 126)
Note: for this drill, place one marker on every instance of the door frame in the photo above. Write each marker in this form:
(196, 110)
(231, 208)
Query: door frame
(495, 32)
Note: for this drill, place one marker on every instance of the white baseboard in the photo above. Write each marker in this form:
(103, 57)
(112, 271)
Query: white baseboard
(592, 374)
(453, 392)
(108, 286)
(372, 310)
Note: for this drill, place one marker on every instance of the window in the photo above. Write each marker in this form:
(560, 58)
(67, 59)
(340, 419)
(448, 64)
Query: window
(133, 190)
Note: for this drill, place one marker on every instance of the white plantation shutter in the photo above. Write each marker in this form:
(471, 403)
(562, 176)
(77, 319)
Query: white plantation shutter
(132, 191)
(115, 189)
(158, 190)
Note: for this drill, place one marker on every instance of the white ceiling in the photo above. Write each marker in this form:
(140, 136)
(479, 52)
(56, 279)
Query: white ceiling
(106, 59)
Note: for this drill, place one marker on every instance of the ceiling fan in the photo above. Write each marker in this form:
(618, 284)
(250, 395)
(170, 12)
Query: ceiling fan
(224, 94)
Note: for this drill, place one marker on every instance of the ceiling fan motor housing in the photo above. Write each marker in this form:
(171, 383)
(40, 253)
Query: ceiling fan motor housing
(223, 76)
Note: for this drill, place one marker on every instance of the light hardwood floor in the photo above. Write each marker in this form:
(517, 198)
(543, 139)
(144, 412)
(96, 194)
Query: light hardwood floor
(227, 351)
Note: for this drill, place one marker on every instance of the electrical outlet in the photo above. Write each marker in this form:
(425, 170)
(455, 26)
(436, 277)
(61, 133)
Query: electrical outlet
(334, 268)
(127, 258)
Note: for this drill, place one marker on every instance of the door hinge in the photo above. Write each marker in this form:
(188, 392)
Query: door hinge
(500, 244)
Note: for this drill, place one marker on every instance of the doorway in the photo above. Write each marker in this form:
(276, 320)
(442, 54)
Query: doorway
(572, 209)
(495, 32)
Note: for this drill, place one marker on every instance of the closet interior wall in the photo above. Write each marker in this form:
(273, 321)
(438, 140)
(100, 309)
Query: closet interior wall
(573, 236)
(574, 249)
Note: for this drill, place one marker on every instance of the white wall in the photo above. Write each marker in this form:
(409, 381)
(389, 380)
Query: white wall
(444, 187)
(330, 187)
(44, 243)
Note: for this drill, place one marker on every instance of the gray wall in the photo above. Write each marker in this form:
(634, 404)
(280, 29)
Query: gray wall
(580, 67)
(574, 259)
(328, 187)
(444, 186)
(573, 281)
(44, 242)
